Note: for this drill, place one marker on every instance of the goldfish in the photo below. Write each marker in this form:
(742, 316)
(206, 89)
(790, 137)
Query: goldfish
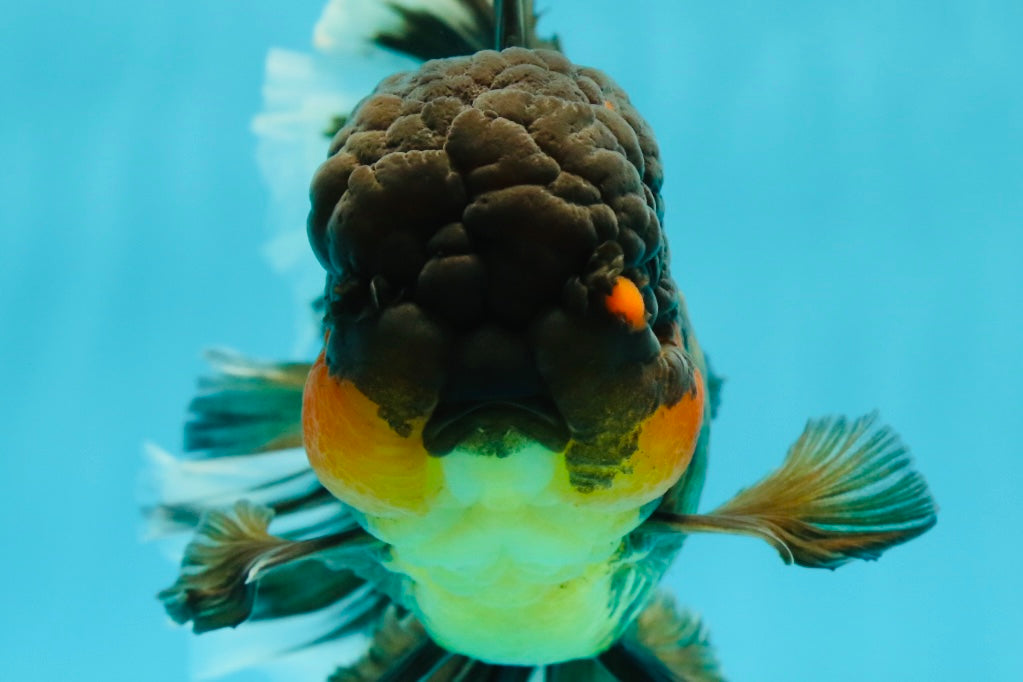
(500, 446)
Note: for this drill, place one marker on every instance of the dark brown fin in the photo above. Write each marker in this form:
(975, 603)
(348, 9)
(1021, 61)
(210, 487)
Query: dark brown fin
(246, 406)
(433, 34)
(847, 490)
(230, 555)
(401, 651)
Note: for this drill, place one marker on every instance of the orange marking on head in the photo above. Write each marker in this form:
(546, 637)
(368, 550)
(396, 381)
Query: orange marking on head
(609, 105)
(357, 456)
(626, 303)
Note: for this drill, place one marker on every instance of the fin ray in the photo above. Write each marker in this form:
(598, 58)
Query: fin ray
(847, 490)
(677, 638)
(231, 552)
(246, 406)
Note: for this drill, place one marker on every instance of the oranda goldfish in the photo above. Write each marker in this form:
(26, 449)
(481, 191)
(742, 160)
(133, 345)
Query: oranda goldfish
(503, 440)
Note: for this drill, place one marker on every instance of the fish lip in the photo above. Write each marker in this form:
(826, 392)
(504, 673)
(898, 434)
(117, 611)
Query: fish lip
(535, 416)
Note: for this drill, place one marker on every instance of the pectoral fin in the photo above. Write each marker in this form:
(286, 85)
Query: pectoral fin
(231, 553)
(847, 490)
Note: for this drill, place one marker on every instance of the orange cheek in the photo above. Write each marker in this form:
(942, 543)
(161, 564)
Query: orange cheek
(356, 454)
(667, 440)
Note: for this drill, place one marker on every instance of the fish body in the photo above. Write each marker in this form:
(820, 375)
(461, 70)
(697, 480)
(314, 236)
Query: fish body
(503, 302)
(503, 558)
(507, 426)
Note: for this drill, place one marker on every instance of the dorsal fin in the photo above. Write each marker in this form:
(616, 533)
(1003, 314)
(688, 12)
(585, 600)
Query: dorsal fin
(451, 28)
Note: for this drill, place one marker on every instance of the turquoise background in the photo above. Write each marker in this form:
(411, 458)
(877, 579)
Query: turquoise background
(845, 203)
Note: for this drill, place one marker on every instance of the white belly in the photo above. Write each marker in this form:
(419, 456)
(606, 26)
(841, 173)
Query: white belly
(506, 568)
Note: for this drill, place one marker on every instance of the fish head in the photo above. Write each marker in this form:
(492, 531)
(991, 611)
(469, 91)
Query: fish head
(497, 278)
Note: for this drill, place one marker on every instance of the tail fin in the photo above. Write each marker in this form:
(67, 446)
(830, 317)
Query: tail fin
(308, 96)
(246, 406)
(309, 592)
(245, 439)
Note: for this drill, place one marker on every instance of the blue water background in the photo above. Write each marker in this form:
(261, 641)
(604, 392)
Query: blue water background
(845, 203)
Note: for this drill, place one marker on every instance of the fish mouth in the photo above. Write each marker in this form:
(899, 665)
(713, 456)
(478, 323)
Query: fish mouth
(534, 417)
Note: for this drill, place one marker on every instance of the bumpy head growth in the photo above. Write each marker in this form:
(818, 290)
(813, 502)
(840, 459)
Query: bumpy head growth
(483, 221)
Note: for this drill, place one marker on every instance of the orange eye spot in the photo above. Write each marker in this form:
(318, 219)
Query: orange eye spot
(357, 456)
(609, 105)
(626, 303)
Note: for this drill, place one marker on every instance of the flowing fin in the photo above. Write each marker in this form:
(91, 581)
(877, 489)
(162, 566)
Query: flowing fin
(306, 604)
(395, 637)
(309, 95)
(450, 28)
(245, 436)
(847, 490)
(246, 406)
(676, 638)
(181, 490)
(306, 646)
(229, 556)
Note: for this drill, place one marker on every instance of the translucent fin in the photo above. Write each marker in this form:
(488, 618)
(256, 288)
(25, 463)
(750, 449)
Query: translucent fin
(178, 491)
(246, 406)
(847, 490)
(246, 438)
(396, 637)
(308, 95)
(229, 556)
(305, 95)
(305, 646)
(676, 638)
